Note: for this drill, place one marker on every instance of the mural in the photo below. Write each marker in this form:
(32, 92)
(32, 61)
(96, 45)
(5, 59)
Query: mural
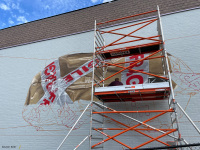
(61, 91)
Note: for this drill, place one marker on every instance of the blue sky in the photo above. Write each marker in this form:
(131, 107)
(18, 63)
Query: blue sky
(15, 12)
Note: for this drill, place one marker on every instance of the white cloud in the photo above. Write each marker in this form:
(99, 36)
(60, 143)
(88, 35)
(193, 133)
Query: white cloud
(3, 25)
(104, 1)
(22, 19)
(46, 7)
(94, 1)
(4, 7)
(13, 15)
(15, 6)
(10, 21)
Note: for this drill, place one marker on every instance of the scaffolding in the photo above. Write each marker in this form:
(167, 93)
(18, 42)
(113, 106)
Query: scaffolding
(157, 87)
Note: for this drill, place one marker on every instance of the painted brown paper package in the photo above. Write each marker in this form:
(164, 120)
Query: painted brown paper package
(69, 78)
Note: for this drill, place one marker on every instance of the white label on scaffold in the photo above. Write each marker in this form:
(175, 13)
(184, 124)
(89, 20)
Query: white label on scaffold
(130, 77)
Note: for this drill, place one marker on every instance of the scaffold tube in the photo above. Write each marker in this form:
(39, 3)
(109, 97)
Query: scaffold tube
(81, 142)
(73, 126)
(188, 118)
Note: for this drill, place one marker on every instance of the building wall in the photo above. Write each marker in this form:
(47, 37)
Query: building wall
(20, 64)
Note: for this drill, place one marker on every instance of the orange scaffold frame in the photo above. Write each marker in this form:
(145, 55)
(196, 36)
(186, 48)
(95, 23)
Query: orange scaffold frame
(128, 128)
(100, 57)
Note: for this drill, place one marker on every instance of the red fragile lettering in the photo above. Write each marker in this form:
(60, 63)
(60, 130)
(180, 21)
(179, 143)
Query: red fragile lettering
(85, 68)
(90, 64)
(136, 57)
(49, 86)
(51, 77)
(52, 96)
(46, 102)
(50, 99)
(50, 68)
(68, 78)
(135, 79)
(77, 71)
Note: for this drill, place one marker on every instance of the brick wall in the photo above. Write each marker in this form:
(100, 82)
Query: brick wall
(82, 20)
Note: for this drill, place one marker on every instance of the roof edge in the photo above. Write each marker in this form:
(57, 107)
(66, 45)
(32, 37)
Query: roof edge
(59, 14)
(170, 13)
